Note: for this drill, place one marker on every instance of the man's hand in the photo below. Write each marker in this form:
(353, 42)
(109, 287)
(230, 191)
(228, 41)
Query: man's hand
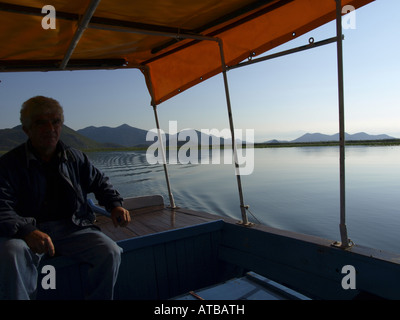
(120, 217)
(40, 242)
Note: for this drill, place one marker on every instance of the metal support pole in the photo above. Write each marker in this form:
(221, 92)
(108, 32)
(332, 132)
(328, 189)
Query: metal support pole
(245, 221)
(309, 46)
(83, 24)
(343, 228)
(171, 197)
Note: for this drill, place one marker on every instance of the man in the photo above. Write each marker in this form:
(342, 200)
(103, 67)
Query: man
(44, 210)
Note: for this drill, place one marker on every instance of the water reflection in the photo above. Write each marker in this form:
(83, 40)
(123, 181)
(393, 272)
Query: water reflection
(291, 188)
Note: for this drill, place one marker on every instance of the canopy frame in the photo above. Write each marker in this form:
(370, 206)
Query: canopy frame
(254, 10)
(83, 24)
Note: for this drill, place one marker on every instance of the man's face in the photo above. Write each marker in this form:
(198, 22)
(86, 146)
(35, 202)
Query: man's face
(45, 131)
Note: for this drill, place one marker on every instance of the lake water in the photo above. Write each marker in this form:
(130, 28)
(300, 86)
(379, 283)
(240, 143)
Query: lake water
(294, 189)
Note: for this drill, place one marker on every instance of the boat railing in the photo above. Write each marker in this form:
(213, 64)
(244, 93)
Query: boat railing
(345, 242)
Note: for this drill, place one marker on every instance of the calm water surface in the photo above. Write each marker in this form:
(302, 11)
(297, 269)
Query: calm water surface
(294, 189)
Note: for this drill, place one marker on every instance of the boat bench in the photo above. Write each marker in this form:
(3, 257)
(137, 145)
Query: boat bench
(156, 266)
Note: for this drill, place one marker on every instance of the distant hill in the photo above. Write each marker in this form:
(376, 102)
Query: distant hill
(275, 141)
(11, 138)
(103, 137)
(319, 137)
(123, 135)
(79, 141)
(128, 136)
(202, 138)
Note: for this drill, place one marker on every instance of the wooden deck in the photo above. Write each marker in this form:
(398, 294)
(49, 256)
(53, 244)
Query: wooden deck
(153, 219)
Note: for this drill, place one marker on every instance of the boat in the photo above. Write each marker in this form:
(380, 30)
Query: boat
(173, 253)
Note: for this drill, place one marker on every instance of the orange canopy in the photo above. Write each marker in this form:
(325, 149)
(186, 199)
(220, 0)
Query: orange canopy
(171, 41)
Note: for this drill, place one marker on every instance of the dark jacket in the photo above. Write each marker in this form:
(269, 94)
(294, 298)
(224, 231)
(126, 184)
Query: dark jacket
(23, 188)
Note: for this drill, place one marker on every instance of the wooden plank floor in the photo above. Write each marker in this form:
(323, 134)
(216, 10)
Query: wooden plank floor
(153, 221)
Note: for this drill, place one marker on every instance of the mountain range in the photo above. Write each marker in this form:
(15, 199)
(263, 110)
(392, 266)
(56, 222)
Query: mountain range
(10, 138)
(319, 137)
(123, 135)
(127, 136)
(103, 137)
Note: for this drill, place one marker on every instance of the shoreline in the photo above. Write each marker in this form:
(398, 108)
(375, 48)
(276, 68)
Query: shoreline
(370, 143)
(389, 142)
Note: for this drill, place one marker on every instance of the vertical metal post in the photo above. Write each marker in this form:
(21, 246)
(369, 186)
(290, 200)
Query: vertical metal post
(171, 197)
(245, 220)
(343, 228)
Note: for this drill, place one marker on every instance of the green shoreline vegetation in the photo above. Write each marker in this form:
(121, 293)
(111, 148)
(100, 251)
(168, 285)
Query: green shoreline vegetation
(388, 142)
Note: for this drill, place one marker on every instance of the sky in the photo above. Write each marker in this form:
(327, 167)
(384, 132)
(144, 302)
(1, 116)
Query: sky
(280, 99)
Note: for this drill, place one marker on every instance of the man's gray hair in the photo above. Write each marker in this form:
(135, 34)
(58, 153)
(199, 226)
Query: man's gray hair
(37, 106)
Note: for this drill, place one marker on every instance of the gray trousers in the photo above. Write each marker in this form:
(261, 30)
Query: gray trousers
(18, 264)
